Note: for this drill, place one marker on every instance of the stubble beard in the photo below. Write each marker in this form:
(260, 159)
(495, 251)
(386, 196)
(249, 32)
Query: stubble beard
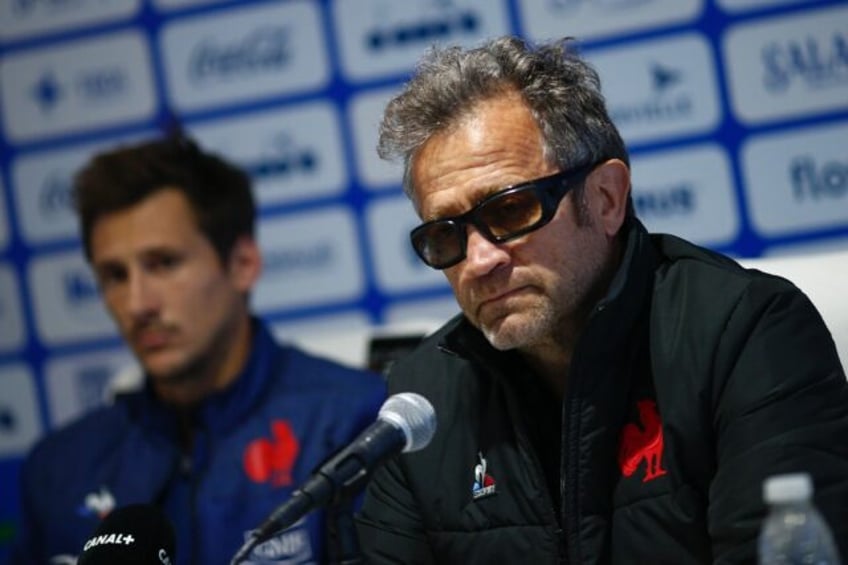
(521, 330)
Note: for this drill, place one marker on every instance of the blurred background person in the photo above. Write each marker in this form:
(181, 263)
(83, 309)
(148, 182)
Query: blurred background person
(228, 422)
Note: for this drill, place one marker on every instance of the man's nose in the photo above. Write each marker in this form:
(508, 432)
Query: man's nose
(482, 255)
(142, 296)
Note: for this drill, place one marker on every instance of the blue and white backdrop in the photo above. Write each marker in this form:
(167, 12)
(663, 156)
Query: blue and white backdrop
(736, 113)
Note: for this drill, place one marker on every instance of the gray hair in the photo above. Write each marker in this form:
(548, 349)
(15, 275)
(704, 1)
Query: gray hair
(562, 91)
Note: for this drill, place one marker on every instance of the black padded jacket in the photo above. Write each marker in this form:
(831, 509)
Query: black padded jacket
(693, 381)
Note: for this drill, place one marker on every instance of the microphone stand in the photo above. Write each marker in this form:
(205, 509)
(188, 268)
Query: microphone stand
(342, 544)
(336, 481)
(406, 423)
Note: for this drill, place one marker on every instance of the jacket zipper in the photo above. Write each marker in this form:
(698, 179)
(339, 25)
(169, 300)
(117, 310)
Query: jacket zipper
(187, 472)
(194, 461)
(563, 462)
(533, 459)
(569, 449)
(196, 545)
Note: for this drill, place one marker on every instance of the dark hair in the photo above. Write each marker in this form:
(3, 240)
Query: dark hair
(219, 193)
(562, 91)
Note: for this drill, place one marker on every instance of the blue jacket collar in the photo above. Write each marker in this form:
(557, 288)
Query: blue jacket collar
(224, 409)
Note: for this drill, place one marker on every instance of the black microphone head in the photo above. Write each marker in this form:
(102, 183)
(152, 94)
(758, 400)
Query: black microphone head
(413, 415)
(137, 534)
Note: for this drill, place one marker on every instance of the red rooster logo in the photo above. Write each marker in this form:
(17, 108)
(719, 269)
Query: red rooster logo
(643, 443)
(271, 460)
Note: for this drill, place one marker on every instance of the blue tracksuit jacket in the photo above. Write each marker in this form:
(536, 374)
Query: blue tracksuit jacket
(254, 443)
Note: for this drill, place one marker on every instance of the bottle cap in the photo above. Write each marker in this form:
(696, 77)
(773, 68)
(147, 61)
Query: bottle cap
(794, 487)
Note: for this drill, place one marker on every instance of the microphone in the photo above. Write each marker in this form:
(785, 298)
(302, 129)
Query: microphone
(137, 534)
(405, 423)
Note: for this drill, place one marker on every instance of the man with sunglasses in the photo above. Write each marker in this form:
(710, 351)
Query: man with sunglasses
(607, 395)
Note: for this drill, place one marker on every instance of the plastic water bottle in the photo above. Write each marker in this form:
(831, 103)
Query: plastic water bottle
(794, 532)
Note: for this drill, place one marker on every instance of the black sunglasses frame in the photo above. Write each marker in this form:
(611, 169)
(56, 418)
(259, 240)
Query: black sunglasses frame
(549, 191)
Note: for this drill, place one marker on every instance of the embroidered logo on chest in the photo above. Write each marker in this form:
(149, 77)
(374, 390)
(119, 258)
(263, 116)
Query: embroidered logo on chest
(643, 442)
(98, 503)
(271, 460)
(484, 483)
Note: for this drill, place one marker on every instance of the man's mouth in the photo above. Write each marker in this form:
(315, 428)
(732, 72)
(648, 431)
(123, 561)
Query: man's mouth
(498, 299)
(150, 339)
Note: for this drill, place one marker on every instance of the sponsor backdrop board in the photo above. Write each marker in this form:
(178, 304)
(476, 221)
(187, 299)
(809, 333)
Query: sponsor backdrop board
(736, 113)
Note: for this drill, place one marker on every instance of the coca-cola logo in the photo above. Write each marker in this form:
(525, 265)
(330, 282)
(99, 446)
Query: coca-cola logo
(266, 49)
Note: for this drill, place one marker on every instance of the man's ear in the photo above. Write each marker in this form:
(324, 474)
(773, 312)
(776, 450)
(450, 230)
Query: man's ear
(245, 264)
(611, 190)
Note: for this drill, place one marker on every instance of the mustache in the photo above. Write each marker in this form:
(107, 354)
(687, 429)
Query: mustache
(153, 325)
(496, 286)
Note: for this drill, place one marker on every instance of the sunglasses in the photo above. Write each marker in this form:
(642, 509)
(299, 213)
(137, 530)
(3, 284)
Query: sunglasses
(502, 216)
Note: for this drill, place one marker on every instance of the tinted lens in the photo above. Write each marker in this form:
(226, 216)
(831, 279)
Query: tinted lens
(503, 216)
(510, 212)
(439, 243)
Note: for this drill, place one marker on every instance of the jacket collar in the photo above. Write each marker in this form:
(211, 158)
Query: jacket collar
(224, 409)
